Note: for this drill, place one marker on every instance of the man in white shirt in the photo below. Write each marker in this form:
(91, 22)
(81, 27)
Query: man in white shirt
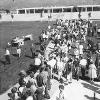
(44, 36)
(19, 52)
(29, 98)
(60, 67)
(52, 64)
(76, 53)
(81, 49)
(37, 61)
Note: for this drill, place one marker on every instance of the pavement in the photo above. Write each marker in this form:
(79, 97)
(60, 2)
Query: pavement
(80, 90)
(77, 90)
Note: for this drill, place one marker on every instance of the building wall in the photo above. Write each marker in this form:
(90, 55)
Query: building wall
(45, 17)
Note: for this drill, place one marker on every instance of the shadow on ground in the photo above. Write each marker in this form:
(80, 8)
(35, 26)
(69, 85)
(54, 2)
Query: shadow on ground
(92, 86)
(3, 62)
(91, 98)
(97, 85)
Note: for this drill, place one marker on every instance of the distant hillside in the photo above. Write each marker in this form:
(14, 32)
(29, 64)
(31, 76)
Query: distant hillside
(13, 4)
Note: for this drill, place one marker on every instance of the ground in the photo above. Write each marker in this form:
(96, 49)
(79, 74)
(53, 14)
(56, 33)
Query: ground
(80, 90)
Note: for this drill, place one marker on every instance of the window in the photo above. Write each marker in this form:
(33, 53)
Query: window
(66, 9)
(38, 10)
(57, 10)
(21, 11)
(96, 8)
(47, 10)
(31, 10)
(75, 9)
(89, 8)
(27, 11)
(81, 9)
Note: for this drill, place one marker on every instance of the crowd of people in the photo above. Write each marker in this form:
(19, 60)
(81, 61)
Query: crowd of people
(69, 49)
(64, 51)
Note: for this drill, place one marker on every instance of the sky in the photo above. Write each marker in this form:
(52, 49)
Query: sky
(9, 4)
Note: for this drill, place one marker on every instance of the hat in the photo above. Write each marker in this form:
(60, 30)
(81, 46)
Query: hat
(32, 75)
(28, 85)
(61, 87)
(22, 73)
(14, 90)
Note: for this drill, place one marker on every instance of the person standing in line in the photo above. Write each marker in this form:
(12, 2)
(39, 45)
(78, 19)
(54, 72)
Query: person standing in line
(49, 77)
(52, 63)
(81, 49)
(32, 52)
(40, 86)
(70, 65)
(83, 63)
(60, 66)
(7, 56)
(19, 52)
(61, 93)
(77, 68)
(45, 76)
(39, 78)
(37, 62)
(92, 73)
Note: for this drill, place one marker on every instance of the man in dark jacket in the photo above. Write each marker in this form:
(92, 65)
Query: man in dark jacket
(39, 79)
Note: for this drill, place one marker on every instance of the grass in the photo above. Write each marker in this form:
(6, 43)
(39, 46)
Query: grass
(8, 30)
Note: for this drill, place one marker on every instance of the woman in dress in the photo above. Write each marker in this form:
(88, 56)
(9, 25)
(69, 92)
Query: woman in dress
(92, 71)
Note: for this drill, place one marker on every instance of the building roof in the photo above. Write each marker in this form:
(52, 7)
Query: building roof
(15, 4)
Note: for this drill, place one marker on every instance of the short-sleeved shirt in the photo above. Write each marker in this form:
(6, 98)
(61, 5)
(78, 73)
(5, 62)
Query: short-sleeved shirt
(19, 51)
(37, 61)
(83, 62)
(33, 88)
(7, 52)
(29, 98)
(45, 76)
(52, 63)
(21, 89)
